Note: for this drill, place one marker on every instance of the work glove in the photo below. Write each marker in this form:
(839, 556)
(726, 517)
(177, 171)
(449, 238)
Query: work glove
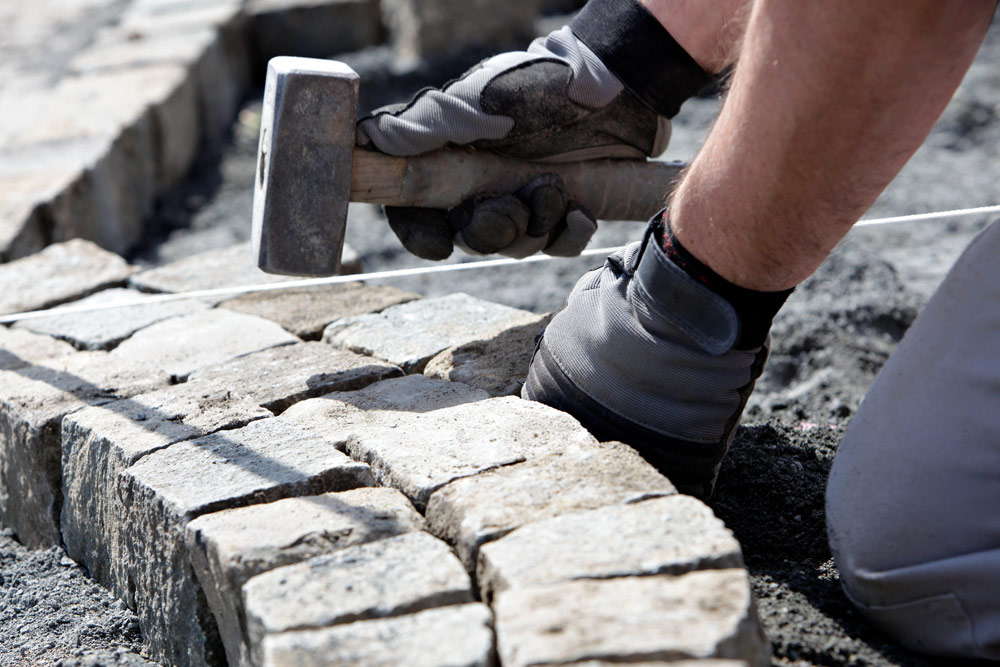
(603, 87)
(648, 353)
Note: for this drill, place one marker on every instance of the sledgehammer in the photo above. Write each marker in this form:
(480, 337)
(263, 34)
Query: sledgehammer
(308, 169)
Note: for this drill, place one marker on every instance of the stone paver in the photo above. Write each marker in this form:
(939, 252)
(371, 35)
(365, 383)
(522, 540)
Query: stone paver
(265, 461)
(390, 577)
(62, 272)
(421, 28)
(103, 329)
(182, 345)
(497, 365)
(474, 510)
(33, 401)
(671, 535)
(281, 376)
(410, 334)
(313, 28)
(20, 348)
(306, 311)
(229, 547)
(418, 445)
(99, 443)
(454, 636)
(698, 615)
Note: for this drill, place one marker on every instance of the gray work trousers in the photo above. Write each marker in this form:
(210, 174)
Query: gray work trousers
(913, 502)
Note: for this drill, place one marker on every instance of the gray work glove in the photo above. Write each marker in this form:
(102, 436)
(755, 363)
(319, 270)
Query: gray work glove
(646, 354)
(558, 101)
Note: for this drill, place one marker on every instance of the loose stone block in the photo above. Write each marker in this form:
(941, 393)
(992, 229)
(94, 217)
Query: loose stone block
(62, 272)
(99, 443)
(279, 377)
(698, 615)
(421, 28)
(455, 636)
(471, 511)
(306, 311)
(265, 461)
(390, 577)
(228, 548)
(313, 28)
(23, 227)
(33, 401)
(182, 345)
(498, 364)
(418, 447)
(410, 334)
(103, 329)
(22, 348)
(669, 535)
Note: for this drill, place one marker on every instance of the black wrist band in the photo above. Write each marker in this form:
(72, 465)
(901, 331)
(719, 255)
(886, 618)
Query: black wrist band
(755, 309)
(640, 52)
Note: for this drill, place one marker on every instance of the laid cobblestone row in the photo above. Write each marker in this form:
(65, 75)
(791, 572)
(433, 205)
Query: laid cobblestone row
(19, 348)
(227, 548)
(33, 401)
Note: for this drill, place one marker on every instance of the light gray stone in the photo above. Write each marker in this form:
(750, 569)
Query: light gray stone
(660, 663)
(62, 272)
(99, 443)
(313, 28)
(410, 334)
(421, 28)
(498, 364)
(471, 511)
(267, 460)
(103, 329)
(305, 311)
(33, 401)
(390, 577)
(454, 636)
(417, 446)
(281, 376)
(670, 535)
(227, 548)
(182, 345)
(24, 229)
(698, 615)
(22, 348)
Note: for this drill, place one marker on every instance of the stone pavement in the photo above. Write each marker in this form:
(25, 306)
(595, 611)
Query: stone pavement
(320, 475)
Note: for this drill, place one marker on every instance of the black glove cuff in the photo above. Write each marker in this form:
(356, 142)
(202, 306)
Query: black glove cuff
(640, 52)
(755, 309)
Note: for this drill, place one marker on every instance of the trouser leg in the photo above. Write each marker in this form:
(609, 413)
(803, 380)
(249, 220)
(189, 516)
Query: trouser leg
(913, 502)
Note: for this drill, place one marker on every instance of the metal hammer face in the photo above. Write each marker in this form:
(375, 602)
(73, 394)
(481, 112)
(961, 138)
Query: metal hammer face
(303, 178)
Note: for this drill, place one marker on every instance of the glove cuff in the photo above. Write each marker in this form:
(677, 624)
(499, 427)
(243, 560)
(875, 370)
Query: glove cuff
(754, 310)
(639, 51)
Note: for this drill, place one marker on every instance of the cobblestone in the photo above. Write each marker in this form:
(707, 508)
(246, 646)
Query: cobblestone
(313, 28)
(390, 577)
(20, 348)
(229, 547)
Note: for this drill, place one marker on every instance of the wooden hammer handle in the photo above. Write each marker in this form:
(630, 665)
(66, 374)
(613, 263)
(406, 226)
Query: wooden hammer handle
(608, 189)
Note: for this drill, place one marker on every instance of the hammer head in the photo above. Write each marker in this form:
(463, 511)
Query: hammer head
(303, 179)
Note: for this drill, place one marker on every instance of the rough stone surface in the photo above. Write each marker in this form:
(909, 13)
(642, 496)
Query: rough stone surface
(313, 28)
(33, 401)
(410, 334)
(62, 272)
(671, 535)
(20, 348)
(390, 577)
(182, 345)
(697, 615)
(282, 376)
(474, 510)
(417, 443)
(267, 460)
(103, 329)
(99, 443)
(421, 28)
(415, 640)
(228, 548)
(306, 311)
(497, 365)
